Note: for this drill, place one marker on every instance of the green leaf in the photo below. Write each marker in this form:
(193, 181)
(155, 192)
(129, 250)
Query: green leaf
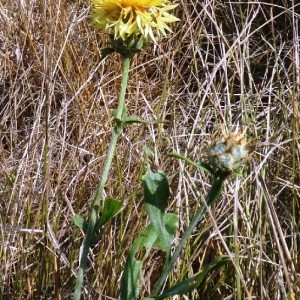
(110, 209)
(159, 233)
(192, 283)
(142, 247)
(132, 119)
(145, 240)
(131, 274)
(199, 165)
(135, 119)
(171, 223)
(156, 194)
(149, 238)
(119, 118)
(148, 152)
(181, 288)
(80, 223)
(130, 279)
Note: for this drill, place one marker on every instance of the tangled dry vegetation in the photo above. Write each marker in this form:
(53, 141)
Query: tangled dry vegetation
(227, 64)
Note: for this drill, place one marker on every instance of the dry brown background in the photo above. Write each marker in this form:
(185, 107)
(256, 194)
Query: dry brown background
(226, 64)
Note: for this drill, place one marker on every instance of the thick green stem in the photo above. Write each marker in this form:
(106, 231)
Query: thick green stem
(212, 196)
(125, 71)
(104, 176)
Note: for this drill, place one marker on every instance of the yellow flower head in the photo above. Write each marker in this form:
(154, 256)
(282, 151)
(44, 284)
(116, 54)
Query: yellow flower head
(133, 18)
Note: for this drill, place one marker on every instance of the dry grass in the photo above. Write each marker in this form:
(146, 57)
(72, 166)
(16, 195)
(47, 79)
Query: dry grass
(227, 64)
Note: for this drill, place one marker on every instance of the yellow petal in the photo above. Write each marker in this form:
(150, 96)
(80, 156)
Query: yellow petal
(126, 18)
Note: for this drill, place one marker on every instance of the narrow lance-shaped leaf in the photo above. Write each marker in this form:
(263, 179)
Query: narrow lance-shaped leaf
(132, 271)
(199, 165)
(110, 209)
(130, 279)
(80, 222)
(192, 283)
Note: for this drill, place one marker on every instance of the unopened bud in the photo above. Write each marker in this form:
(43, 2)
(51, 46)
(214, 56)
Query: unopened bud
(228, 153)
